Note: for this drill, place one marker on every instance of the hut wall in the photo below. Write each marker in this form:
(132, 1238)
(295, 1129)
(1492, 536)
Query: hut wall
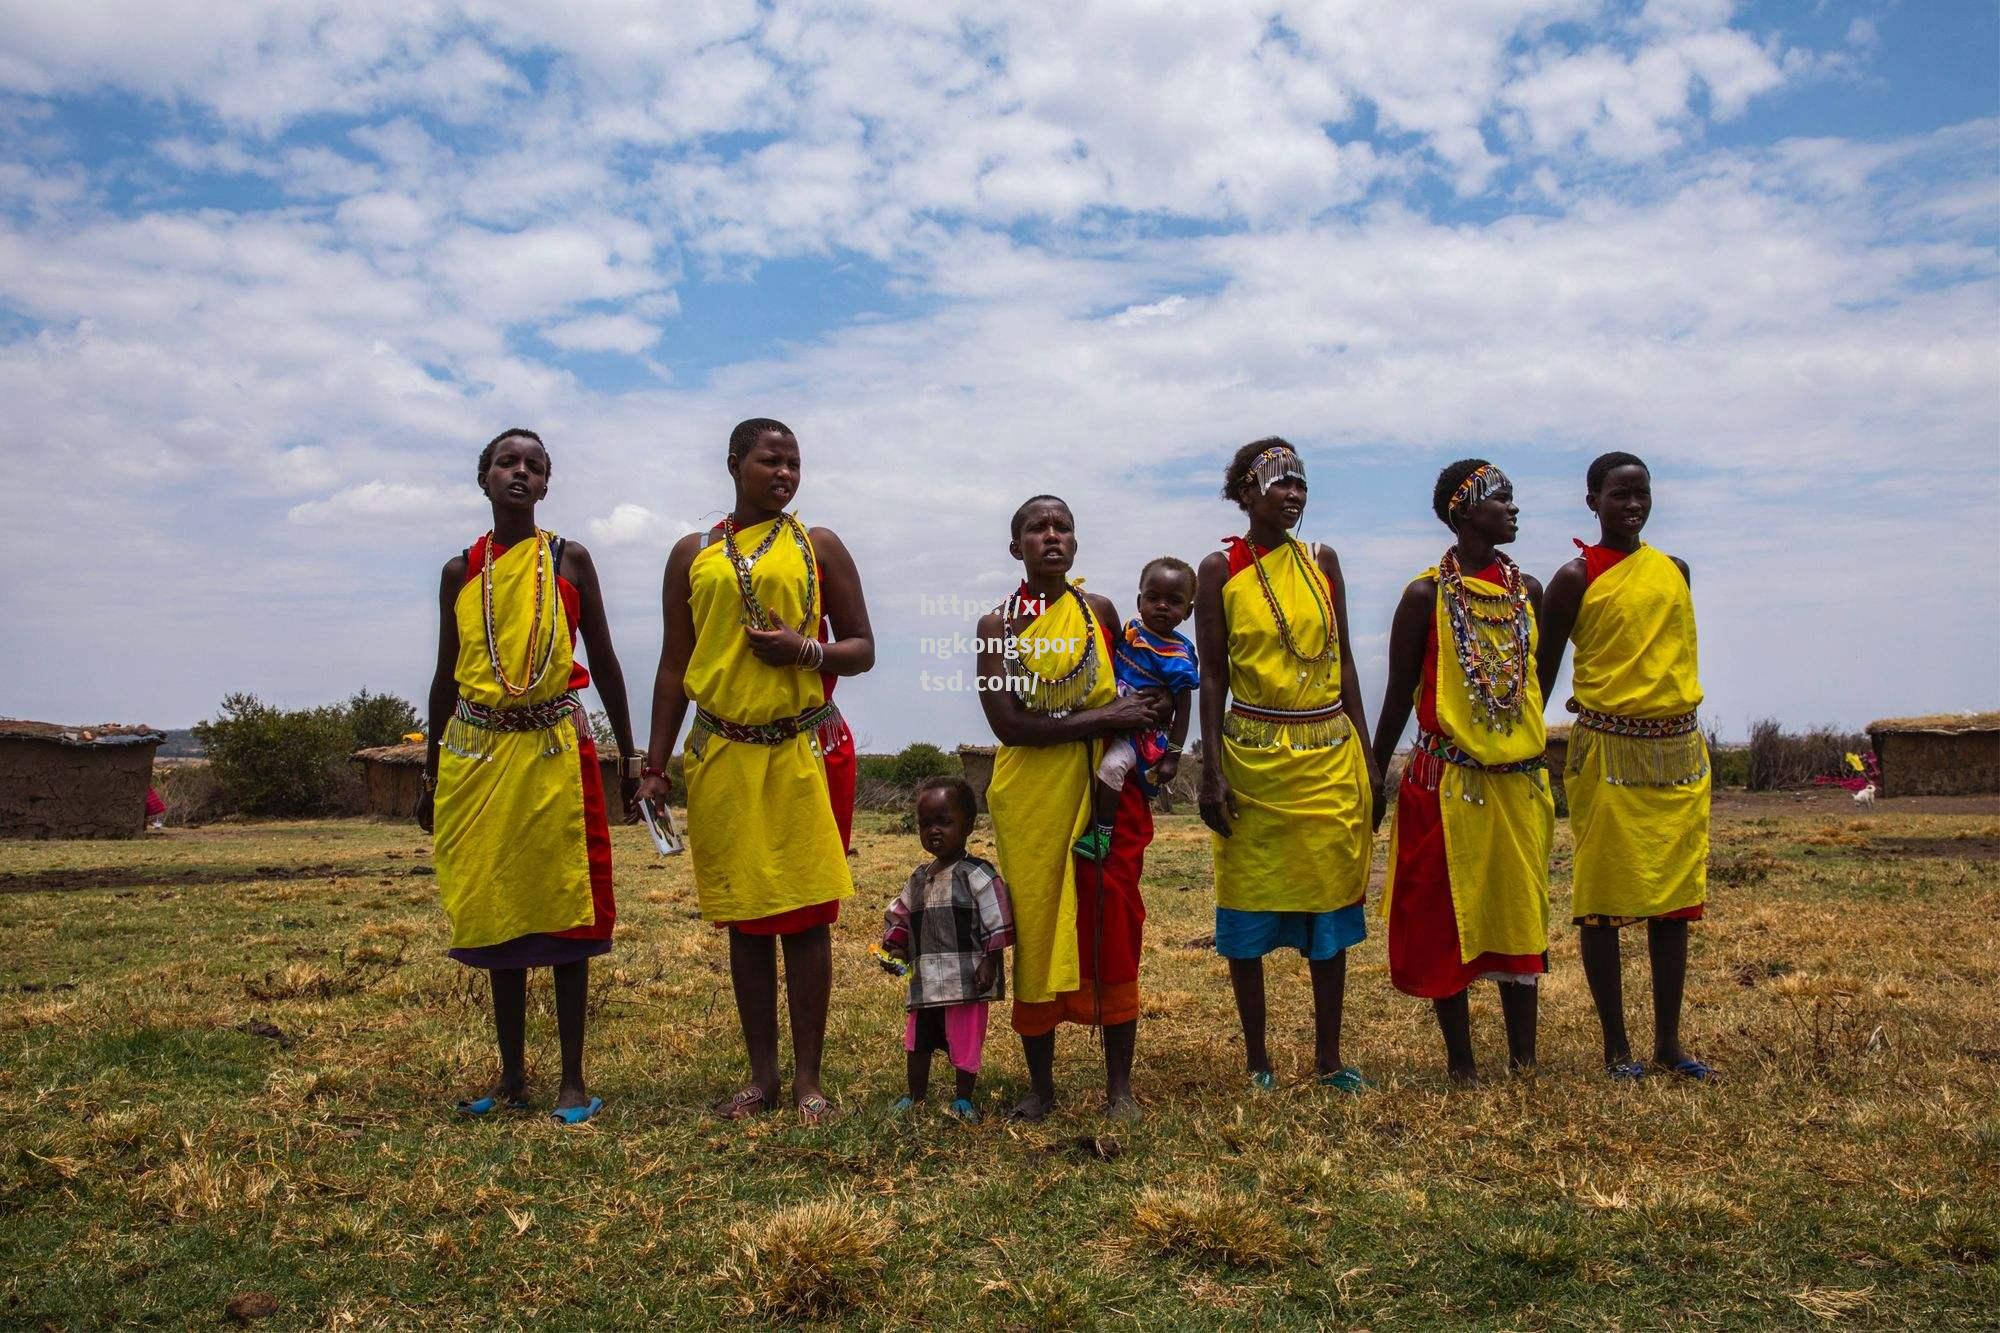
(1558, 758)
(392, 790)
(1918, 763)
(977, 761)
(50, 790)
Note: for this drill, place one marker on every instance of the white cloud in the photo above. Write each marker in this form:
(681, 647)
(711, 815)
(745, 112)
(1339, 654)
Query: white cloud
(603, 333)
(1119, 240)
(379, 502)
(635, 525)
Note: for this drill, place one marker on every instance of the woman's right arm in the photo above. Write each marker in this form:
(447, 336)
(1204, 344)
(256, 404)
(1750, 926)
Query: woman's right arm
(1408, 634)
(670, 699)
(444, 684)
(1014, 723)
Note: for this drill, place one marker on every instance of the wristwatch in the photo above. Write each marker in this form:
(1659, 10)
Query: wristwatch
(633, 766)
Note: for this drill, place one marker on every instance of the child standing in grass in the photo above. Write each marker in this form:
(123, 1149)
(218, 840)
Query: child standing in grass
(951, 924)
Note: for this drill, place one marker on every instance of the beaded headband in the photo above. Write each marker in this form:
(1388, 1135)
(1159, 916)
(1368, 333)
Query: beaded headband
(1274, 465)
(1484, 481)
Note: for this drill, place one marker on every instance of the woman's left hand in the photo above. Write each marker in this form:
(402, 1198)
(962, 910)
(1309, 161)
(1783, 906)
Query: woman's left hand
(777, 646)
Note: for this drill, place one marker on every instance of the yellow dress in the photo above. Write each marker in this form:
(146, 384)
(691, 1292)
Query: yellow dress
(760, 827)
(510, 848)
(1301, 840)
(1498, 825)
(1638, 800)
(1040, 802)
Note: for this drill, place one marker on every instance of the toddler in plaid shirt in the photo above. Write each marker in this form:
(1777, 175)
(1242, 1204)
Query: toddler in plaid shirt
(951, 923)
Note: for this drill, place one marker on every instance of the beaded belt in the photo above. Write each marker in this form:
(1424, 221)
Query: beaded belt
(1431, 752)
(1301, 729)
(469, 733)
(821, 723)
(1639, 751)
(528, 717)
(1646, 728)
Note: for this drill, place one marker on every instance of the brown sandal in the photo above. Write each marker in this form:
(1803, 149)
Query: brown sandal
(817, 1110)
(745, 1103)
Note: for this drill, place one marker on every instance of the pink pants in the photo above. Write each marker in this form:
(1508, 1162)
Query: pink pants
(964, 1032)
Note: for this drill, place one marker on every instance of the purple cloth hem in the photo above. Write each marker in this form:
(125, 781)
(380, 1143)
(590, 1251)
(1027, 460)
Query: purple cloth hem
(530, 951)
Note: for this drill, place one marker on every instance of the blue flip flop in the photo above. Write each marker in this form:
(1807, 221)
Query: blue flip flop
(1625, 1071)
(963, 1111)
(576, 1115)
(1264, 1081)
(1692, 1068)
(488, 1105)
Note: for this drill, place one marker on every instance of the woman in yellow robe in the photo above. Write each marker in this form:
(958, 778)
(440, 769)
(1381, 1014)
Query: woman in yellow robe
(512, 787)
(1467, 896)
(1051, 704)
(743, 604)
(1288, 789)
(1638, 772)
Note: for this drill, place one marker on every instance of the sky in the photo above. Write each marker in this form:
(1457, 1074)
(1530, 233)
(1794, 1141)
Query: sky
(271, 274)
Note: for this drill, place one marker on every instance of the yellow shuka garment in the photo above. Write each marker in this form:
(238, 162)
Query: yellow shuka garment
(1498, 827)
(1040, 801)
(760, 827)
(1301, 840)
(1638, 807)
(510, 852)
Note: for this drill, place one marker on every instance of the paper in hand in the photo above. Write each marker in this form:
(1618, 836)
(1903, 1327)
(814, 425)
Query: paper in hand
(660, 823)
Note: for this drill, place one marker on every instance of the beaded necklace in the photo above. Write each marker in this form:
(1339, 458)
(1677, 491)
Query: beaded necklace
(1496, 674)
(1038, 693)
(754, 613)
(1328, 650)
(508, 687)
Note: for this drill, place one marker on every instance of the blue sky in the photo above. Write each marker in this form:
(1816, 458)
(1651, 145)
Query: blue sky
(269, 276)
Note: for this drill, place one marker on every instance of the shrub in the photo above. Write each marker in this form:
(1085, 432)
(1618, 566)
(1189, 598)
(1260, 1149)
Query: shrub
(380, 719)
(1730, 764)
(1778, 760)
(922, 760)
(889, 781)
(283, 762)
(190, 791)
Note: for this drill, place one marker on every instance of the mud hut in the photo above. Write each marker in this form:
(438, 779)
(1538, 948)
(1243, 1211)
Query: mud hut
(393, 778)
(1557, 755)
(74, 782)
(1946, 754)
(977, 761)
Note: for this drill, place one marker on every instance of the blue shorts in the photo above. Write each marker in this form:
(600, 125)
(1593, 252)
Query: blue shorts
(1316, 935)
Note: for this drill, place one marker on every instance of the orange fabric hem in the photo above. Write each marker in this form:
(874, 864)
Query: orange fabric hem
(1121, 1005)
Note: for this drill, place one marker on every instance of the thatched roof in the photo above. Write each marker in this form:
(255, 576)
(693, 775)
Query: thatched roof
(1939, 724)
(976, 749)
(1558, 731)
(104, 733)
(410, 754)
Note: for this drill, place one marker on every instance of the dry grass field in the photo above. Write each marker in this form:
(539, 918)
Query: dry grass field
(227, 1058)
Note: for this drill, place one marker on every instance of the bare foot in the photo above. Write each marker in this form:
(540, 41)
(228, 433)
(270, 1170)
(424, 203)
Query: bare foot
(1464, 1077)
(571, 1095)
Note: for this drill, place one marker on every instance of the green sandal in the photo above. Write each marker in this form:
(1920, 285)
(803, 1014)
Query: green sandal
(1347, 1079)
(1264, 1081)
